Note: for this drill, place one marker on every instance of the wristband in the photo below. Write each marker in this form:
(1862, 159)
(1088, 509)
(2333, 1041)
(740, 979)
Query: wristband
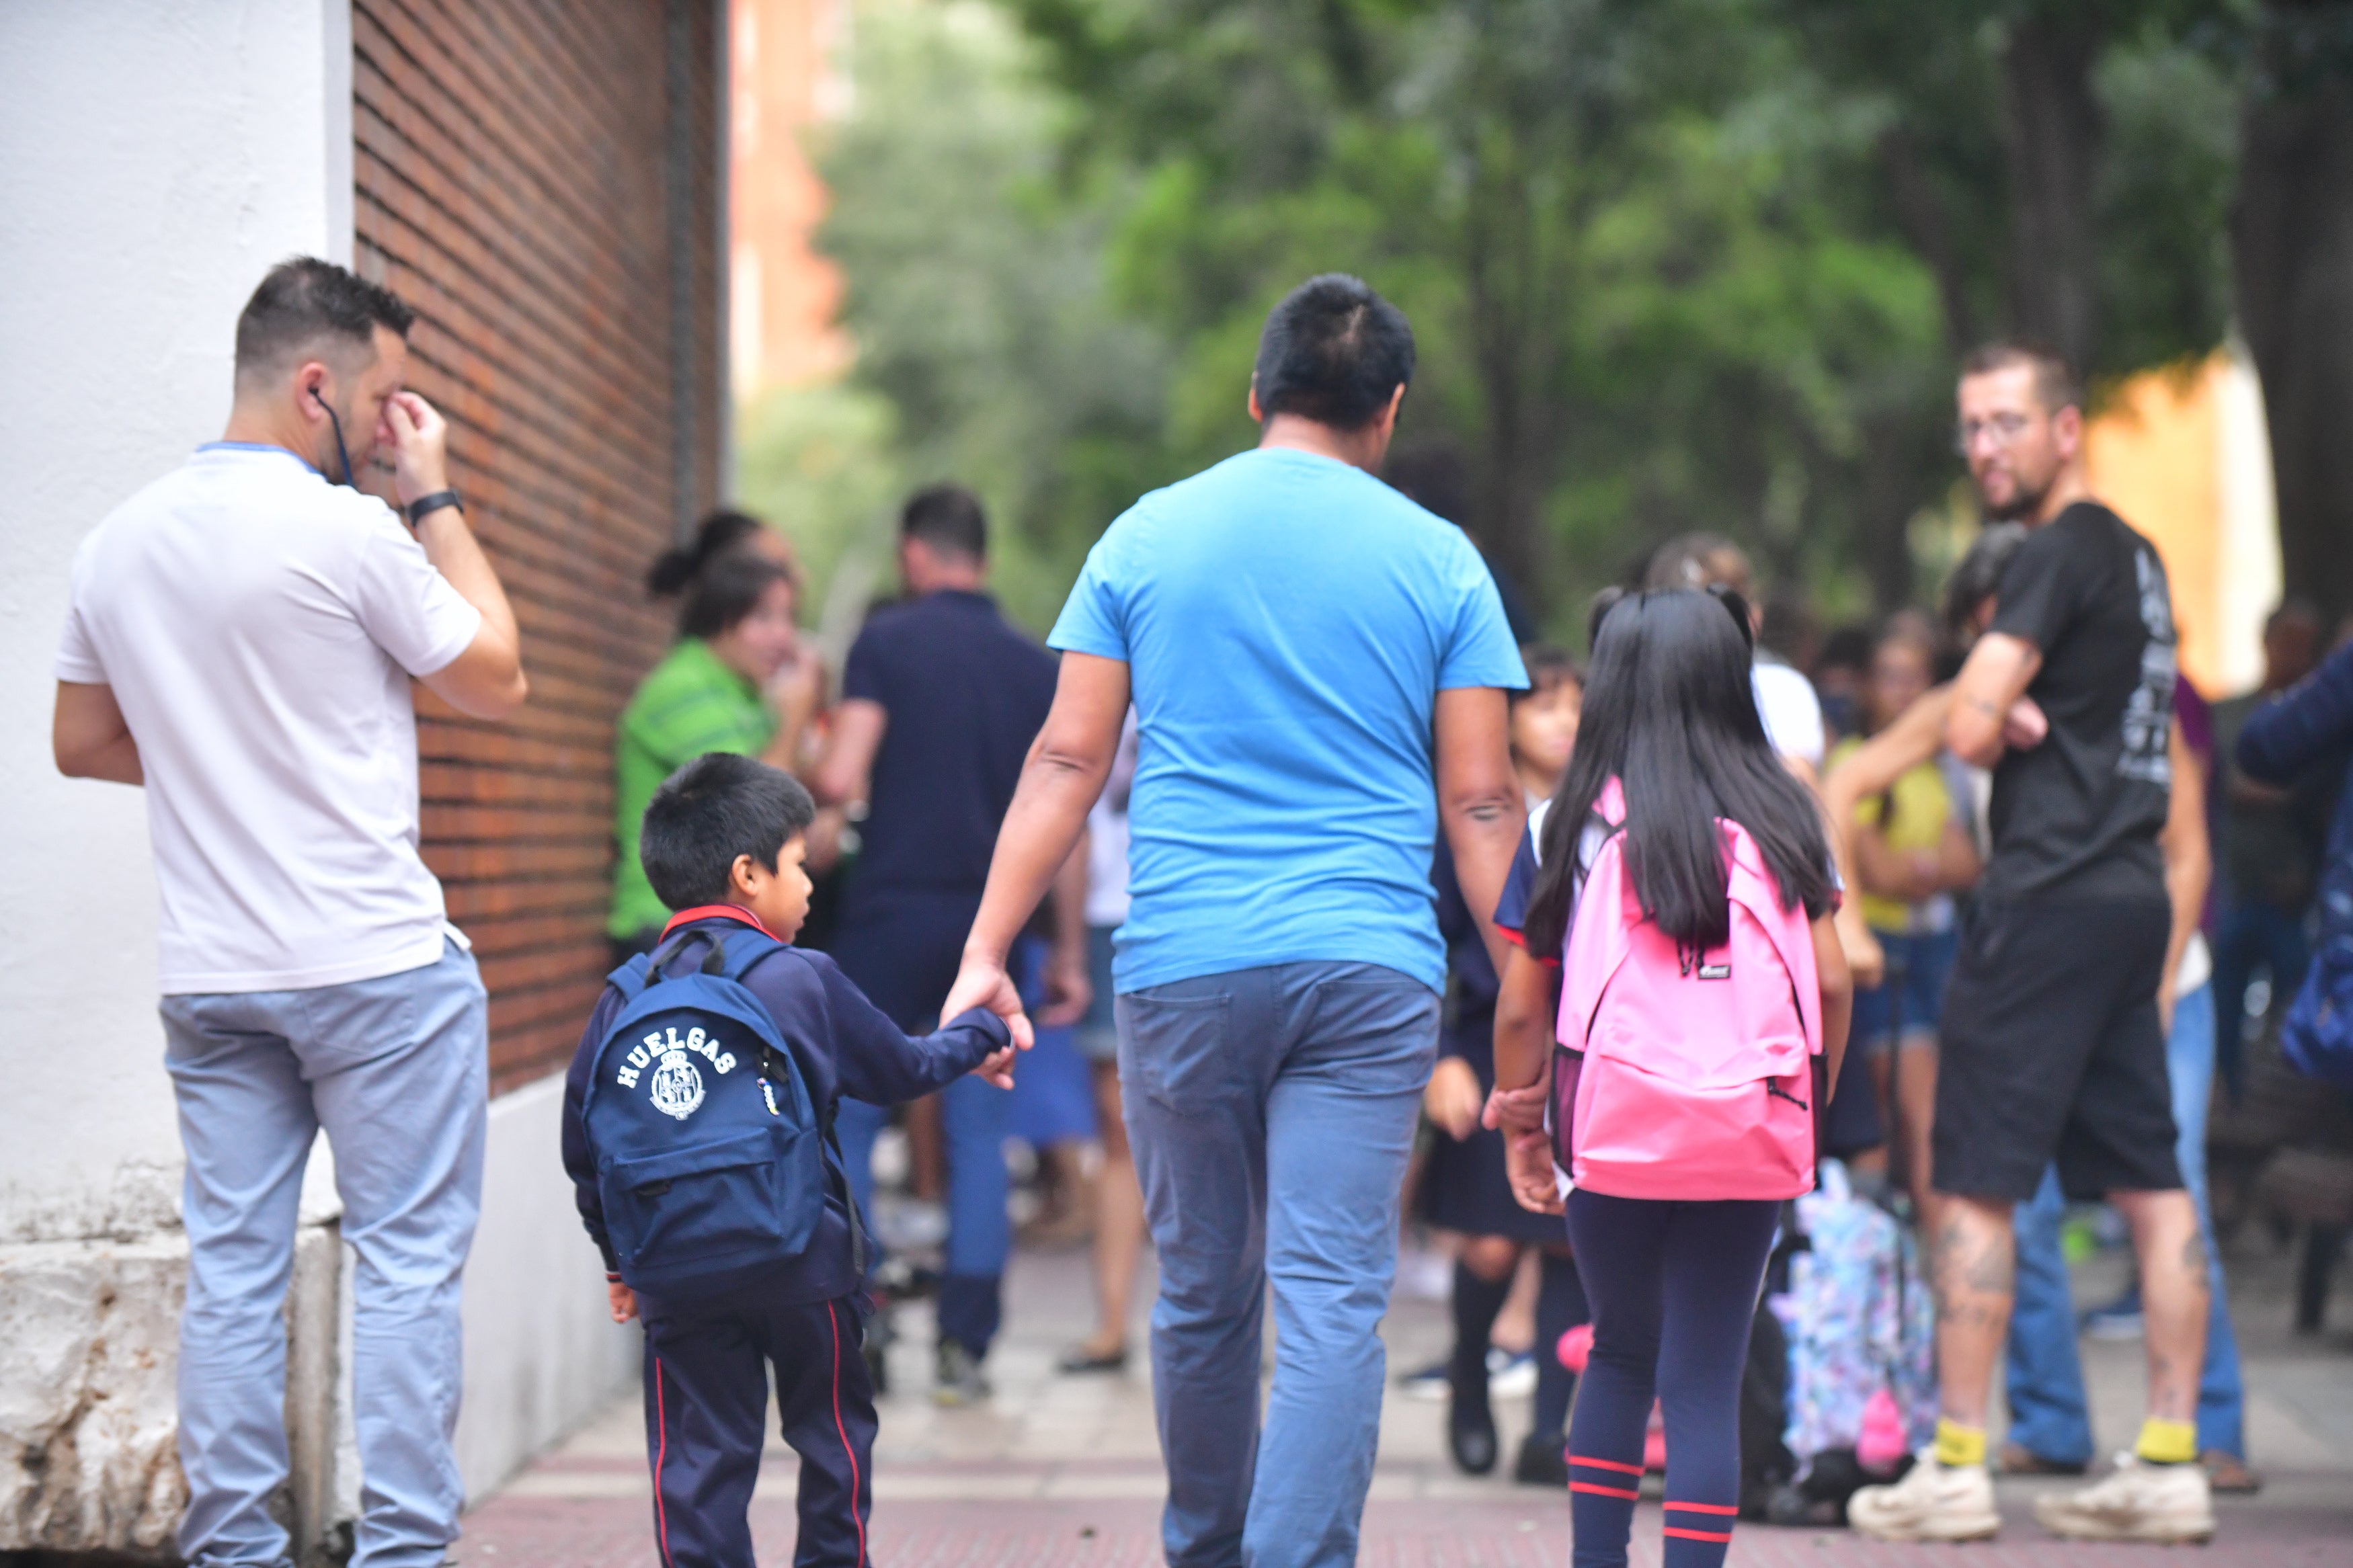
(424, 507)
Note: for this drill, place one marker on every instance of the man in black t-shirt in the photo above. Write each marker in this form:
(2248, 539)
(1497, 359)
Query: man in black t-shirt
(2054, 1025)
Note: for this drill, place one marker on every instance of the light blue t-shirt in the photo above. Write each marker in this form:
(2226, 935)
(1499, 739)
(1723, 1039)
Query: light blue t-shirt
(1288, 622)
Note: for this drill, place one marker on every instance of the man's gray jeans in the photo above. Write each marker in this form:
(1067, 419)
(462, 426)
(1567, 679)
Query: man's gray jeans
(397, 1070)
(1271, 1112)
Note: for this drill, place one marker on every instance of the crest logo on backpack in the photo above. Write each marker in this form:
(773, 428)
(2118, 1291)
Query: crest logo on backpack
(677, 1086)
(642, 1057)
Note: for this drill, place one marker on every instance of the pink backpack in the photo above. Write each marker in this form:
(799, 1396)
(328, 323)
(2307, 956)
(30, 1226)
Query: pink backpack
(1683, 1079)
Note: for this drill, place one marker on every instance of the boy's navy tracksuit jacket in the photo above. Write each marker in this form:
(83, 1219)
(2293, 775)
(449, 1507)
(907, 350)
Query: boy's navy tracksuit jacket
(706, 1384)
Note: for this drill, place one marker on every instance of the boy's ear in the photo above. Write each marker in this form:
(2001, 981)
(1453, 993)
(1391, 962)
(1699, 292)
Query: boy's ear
(740, 874)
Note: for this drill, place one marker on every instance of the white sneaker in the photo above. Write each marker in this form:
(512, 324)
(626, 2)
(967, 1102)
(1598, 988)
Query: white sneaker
(1932, 1502)
(2135, 1501)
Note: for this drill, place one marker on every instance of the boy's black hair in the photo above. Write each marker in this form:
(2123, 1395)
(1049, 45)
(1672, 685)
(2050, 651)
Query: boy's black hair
(727, 588)
(714, 809)
(948, 517)
(1332, 352)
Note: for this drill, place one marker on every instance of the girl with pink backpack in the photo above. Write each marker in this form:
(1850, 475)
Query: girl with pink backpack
(1681, 882)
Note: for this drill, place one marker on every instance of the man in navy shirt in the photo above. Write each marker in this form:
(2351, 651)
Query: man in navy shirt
(940, 701)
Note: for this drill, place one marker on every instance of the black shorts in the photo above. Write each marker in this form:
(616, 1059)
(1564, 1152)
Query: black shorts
(2051, 1050)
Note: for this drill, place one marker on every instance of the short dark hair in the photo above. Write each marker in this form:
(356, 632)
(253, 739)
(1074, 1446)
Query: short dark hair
(2056, 382)
(303, 300)
(1332, 352)
(948, 517)
(728, 587)
(716, 807)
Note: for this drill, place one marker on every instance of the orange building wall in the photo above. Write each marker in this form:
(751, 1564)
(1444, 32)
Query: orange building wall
(784, 296)
(2155, 455)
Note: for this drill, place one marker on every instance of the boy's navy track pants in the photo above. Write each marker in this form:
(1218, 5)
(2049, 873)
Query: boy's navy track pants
(706, 1410)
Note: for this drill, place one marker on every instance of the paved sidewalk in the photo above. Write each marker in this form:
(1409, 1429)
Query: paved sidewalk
(1060, 1472)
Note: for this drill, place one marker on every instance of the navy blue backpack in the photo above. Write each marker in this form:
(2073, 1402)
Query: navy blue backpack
(711, 1159)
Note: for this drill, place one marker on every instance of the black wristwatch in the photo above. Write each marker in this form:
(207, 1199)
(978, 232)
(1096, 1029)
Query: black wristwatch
(424, 507)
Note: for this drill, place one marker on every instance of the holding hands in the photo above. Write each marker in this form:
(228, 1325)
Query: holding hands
(1527, 1165)
(1519, 1115)
(983, 983)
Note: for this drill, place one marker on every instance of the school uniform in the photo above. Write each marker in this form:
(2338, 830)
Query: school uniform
(1465, 1186)
(707, 1357)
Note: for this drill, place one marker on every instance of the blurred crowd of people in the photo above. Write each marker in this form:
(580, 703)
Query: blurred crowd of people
(922, 742)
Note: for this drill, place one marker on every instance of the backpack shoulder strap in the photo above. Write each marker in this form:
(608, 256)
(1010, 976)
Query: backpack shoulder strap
(737, 950)
(629, 979)
(1749, 882)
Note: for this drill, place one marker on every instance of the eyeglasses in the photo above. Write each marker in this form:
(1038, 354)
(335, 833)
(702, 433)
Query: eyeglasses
(2004, 428)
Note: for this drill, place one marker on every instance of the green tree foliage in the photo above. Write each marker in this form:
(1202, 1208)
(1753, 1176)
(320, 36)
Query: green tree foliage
(987, 352)
(1672, 264)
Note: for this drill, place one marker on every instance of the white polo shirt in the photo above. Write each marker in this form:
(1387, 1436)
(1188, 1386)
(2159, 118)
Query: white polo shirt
(259, 626)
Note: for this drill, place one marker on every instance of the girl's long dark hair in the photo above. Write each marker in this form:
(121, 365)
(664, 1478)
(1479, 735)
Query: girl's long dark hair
(1670, 712)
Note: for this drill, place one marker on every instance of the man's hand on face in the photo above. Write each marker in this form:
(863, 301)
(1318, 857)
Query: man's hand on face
(419, 440)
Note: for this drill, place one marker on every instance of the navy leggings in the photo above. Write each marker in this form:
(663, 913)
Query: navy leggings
(1674, 1287)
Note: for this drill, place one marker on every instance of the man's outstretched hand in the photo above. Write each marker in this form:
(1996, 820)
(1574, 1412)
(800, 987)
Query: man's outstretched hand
(983, 983)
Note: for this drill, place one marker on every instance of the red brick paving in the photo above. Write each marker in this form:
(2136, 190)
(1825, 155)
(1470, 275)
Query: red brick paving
(531, 1532)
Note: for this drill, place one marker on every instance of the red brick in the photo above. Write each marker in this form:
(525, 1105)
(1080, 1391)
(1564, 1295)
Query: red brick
(509, 168)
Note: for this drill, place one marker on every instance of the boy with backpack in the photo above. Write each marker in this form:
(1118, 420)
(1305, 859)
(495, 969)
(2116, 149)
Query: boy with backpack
(1681, 879)
(698, 1131)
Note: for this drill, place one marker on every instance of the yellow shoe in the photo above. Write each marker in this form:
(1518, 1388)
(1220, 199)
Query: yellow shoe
(1932, 1502)
(2135, 1501)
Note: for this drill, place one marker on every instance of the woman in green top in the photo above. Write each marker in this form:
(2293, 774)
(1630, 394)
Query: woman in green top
(738, 681)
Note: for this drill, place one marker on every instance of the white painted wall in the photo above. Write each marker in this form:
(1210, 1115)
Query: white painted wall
(2249, 550)
(541, 1353)
(155, 158)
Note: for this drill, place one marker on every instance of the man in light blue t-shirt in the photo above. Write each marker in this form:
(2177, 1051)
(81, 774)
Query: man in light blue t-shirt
(1318, 667)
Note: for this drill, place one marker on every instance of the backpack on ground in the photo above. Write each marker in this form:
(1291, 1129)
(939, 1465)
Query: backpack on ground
(1683, 1075)
(1861, 1323)
(711, 1159)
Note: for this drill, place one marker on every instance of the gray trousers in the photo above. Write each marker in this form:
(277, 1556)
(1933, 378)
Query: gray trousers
(1271, 1112)
(397, 1070)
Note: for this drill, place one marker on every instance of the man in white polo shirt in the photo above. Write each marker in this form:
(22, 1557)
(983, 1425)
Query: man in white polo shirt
(241, 640)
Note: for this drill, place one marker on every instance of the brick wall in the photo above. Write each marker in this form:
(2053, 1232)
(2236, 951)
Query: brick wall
(517, 168)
